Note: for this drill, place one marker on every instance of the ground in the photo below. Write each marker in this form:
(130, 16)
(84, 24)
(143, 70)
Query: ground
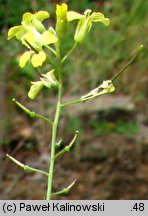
(110, 165)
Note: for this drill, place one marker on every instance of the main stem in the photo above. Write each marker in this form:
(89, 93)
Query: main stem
(55, 126)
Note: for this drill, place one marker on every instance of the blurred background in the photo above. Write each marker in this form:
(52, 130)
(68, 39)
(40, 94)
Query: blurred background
(110, 158)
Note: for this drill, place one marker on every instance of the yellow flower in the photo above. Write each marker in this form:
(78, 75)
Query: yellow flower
(85, 22)
(34, 36)
(47, 80)
(29, 22)
(61, 11)
(62, 22)
(35, 41)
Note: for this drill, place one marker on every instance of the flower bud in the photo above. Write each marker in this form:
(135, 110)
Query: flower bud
(62, 22)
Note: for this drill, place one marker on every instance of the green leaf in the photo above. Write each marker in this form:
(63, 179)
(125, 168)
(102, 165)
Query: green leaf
(24, 58)
(42, 15)
(27, 17)
(48, 38)
(72, 15)
(99, 17)
(38, 59)
(14, 31)
(35, 89)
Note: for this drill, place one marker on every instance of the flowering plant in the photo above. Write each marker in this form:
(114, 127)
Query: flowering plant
(39, 42)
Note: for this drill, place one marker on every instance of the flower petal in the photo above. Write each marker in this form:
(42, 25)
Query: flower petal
(48, 38)
(99, 17)
(38, 59)
(72, 15)
(30, 37)
(35, 89)
(14, 31)
(24, 58)
(27, 17)
(42, 15)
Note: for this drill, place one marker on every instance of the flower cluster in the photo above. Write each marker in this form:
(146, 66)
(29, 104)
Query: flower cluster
(34, 36)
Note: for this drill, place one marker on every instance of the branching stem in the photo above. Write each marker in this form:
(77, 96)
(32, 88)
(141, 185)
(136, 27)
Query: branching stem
(72, 102)
(26, 167)
(70, 51)
(68, 147)
(52, 50)
(31, 113)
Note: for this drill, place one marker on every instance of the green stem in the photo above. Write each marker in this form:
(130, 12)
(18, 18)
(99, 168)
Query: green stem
(26, 167)
(68, 147)
(31, 113)
(55, 126)
(65, 190)
(72, 102)
(70, 51)
(52, 50)
(131, 61)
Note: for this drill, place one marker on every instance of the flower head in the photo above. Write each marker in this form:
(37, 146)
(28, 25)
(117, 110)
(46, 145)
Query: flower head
(35, 41)
(47, 80)
(85, 22)
(29, 22)
(34, 36)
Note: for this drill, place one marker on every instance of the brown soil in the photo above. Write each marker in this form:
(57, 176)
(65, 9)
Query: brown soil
(110, 167)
